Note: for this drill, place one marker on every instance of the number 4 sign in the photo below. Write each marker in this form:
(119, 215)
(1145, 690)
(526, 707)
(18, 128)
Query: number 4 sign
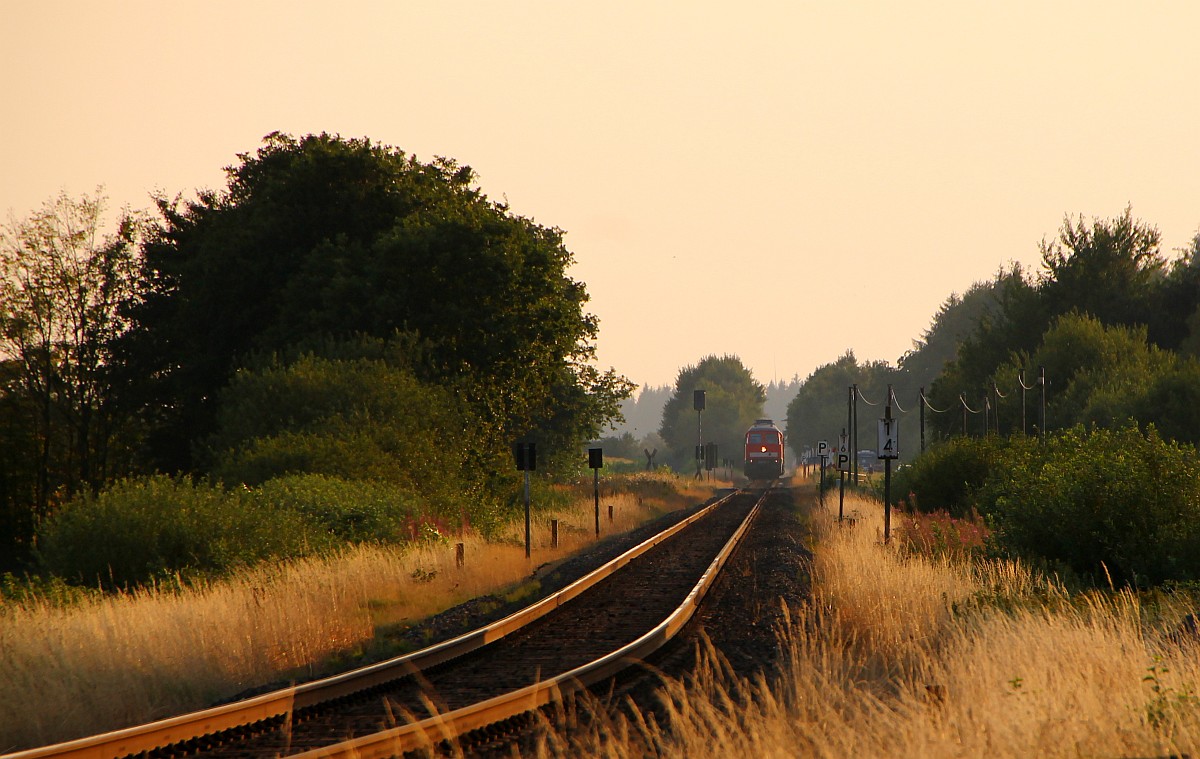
(889, 438)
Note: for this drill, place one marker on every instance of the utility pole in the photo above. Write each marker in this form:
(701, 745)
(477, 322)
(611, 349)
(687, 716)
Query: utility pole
(849, 412)
(525, 455)
(1021, 380)
(1042, 382)
(922, 419)
(843, 465)
(854, 432)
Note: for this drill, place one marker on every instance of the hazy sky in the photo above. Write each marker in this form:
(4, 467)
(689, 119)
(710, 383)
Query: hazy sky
(777, 180)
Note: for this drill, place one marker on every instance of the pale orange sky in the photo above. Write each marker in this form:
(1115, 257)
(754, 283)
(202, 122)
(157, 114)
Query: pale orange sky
(777, 180)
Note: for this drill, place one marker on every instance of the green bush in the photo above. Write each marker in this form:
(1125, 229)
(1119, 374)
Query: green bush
(35, 590)
(947, 476)
(143, 529)
(158, 528)
(351, 454)
(1115, 501)
(354, 511)
(352, 419)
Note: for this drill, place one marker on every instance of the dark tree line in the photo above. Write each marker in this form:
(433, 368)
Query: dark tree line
(1115, 323)
(119, 353)
(1111, 319)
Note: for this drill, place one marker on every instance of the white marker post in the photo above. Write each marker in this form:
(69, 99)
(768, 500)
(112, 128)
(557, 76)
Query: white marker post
(822, 457)
(843, 465)
(889, 448)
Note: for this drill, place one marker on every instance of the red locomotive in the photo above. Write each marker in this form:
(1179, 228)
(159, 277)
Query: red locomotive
(764, 451)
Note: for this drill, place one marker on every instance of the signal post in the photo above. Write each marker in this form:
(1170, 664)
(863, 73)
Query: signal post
(525, 456)
(596, 463)
(843, 465)
(822, 457)
(889, 449)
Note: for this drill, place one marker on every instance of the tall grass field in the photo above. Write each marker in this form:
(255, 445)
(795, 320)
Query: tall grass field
(901, 652)
(107, 661)
(906, 654)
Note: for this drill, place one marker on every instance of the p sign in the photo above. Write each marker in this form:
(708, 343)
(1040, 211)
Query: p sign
(889, 438)
(843, 461)
(823, 449)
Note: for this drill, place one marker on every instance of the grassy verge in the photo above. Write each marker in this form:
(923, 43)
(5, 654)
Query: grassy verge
(907, 654)
(105, 661)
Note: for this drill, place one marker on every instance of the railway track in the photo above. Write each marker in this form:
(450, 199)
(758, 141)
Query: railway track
(618, 614)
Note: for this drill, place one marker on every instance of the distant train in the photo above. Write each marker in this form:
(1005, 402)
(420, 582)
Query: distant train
(764, 451)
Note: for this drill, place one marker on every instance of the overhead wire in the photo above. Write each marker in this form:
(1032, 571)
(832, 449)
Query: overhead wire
(929, 405)
(863, 398)
(924, 400)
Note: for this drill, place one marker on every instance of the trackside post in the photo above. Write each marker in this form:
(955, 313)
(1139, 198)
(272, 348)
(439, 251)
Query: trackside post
(596, 462)
(843, 464)
(889, 449)
(525, 455)
(822, 455)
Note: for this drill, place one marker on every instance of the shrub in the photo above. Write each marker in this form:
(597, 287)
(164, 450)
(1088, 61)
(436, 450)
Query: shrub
(1115, 501)
(143, 529)
(350, 454)
(349, 419)
(948, 475)
(350, 510)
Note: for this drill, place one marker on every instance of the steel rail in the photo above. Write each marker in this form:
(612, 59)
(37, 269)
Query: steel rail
(280, 703)
(427, 732)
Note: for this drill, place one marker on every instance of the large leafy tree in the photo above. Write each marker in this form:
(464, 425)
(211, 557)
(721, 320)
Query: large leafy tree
(62, 282)
(329, 236)
(1108, 269)
(733, 400)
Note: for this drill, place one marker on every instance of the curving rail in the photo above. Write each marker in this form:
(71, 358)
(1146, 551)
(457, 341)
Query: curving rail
(278, 704)
(424, 733)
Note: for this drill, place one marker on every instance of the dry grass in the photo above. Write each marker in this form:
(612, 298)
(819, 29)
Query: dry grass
(907, 655)
(899, 654)
(134, 657)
